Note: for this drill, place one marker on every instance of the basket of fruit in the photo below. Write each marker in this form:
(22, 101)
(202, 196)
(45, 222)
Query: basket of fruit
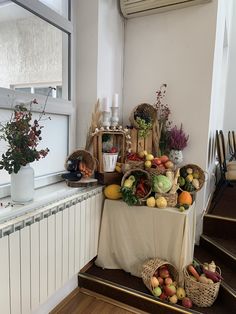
(192, 178)
(136, 186)
(132, 161)
(202, 283)
(159, 165)
(80, 162)
(160, 277)
(142, 118)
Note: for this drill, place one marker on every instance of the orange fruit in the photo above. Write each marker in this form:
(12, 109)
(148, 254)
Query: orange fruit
(185, 198)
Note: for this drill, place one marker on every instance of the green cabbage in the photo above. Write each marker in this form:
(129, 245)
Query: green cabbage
(161, 184)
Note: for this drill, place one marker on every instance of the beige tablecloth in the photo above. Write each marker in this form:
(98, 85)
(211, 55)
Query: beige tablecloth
(132, 234)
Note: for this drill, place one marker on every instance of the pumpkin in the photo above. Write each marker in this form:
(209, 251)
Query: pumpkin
(112, 192)
(185, 198)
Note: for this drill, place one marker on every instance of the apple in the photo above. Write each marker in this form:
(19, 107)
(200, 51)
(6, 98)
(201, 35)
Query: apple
(180, 292)
(173, 299)
(168, 281)
(157, 291)
(154, 282)
(164, 273)
(169, 164)
(163, 296)
(187, 302)
(164, 159)
(157, 161)
(161, 280)
(170, 290)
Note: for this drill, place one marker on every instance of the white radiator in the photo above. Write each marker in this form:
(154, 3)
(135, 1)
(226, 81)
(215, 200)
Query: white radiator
(41, 251)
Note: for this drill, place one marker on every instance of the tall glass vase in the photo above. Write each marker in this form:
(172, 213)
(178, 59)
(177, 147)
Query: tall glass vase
(22, 185)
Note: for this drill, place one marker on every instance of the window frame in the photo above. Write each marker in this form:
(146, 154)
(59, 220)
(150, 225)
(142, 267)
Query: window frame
(54, 105)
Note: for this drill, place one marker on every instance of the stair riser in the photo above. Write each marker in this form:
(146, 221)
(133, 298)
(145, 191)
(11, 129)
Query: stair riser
(219, 227)
(215, 250)
(132, 300)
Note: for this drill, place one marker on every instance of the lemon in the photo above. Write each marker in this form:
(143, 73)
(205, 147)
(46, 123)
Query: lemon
(151, 202)
(148, 164)
(149, 157)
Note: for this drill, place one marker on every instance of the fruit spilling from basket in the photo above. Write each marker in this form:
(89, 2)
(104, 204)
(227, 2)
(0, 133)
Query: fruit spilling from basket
(164, 287)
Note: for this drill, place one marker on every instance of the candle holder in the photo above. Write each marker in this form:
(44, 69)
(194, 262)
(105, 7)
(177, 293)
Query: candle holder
(114, 116)
(106, 119)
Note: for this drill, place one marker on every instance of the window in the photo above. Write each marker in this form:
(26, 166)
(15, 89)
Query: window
(35, 41)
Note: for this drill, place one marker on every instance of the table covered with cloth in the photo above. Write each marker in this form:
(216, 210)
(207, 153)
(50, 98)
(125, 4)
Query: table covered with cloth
(132, 234)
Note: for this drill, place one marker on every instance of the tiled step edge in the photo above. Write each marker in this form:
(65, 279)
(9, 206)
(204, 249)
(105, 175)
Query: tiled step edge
(110, 285)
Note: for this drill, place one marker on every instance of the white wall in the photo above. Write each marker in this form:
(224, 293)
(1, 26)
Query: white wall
(176, 48)
(100, 57)
(230, 101)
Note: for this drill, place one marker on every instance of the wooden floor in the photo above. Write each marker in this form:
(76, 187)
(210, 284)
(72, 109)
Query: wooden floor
(83, 301)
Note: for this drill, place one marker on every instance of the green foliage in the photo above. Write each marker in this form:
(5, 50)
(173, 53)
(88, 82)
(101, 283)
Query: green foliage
(144, 127)
(128, 196)
(22, 137)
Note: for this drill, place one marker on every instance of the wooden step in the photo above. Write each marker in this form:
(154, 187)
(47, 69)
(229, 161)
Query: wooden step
(128, 289)
(219, 226)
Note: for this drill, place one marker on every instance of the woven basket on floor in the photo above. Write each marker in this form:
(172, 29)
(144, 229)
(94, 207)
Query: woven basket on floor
(143, 108)
(202, 294)
(151, 266)
(170, 198)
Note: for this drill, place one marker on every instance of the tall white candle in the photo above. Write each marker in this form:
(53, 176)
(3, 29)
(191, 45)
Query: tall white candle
(115, 100)
(106, 106)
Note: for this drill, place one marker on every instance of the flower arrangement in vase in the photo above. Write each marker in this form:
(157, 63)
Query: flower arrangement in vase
(22, 136)
(177, 141)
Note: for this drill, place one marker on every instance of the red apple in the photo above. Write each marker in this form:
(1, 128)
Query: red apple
(186, 302)
(164, 158)
(161, 280)
(157, 161)
(164, 273)
(163, 296)
(170, 290)
(168, 281)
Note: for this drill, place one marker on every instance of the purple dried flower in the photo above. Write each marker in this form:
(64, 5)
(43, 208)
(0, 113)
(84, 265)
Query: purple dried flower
(177, 139)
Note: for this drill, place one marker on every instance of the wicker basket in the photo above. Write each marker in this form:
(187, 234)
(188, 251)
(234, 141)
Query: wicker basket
(170, 198)
(202, 294)
(86, 156)
(142, 108)
(201, 178)
(133, 164)
(151, 266)
(133, 171)
(156, 171)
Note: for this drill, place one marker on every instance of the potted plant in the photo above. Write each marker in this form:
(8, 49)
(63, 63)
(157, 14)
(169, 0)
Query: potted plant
(22, 135)
(177, 141)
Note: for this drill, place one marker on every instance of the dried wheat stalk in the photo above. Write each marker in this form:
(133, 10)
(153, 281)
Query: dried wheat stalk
(95, 123)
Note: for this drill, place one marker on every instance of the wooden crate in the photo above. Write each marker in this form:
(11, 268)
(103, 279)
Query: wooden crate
(138, 143)
(118, 140)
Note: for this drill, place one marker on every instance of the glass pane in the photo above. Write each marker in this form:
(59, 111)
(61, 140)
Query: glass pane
(54, 161)
(60, 6)
(33, 53)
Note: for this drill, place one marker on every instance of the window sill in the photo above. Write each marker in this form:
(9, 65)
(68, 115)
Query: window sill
(43, 196)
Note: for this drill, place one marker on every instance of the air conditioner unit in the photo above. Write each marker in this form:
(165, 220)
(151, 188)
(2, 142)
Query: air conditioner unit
(133, 8)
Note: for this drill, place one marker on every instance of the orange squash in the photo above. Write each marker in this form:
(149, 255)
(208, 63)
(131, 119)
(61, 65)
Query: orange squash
(185, 198)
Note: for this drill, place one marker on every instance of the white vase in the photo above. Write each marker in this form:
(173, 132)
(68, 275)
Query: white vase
(22, 185)
(176, 156)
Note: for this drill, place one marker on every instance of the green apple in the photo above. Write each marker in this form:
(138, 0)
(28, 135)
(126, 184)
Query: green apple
(157, 291)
